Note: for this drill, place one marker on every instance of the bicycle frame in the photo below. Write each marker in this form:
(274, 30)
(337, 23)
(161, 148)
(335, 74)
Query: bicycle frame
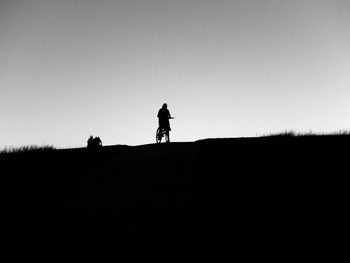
(162, 133)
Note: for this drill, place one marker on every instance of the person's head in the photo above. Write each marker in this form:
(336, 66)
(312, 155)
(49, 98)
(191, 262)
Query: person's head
(165, 106)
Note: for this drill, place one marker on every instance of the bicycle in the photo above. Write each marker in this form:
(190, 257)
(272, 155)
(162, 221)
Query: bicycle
(161, 132)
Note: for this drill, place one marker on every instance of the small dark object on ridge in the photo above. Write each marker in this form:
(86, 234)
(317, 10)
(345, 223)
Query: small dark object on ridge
(94, 143)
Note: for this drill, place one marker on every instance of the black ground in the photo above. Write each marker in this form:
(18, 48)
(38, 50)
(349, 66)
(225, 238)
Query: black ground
(273, 197)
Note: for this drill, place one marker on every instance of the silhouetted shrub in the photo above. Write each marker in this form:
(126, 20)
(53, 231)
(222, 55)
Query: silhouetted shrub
(94, 143)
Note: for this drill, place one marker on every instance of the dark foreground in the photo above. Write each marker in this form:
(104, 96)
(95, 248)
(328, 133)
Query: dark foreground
(274, 197)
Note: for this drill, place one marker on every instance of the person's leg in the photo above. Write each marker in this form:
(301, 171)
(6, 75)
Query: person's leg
(167, 136)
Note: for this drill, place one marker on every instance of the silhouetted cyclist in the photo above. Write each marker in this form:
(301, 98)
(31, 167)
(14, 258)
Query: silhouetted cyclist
(163, 118)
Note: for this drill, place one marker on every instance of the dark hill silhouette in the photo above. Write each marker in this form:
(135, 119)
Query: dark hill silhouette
(252, 197)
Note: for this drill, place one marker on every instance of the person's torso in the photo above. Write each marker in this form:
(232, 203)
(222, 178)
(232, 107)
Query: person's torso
(163, 114)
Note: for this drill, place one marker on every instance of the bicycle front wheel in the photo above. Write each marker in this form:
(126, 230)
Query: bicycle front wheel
(158, 135)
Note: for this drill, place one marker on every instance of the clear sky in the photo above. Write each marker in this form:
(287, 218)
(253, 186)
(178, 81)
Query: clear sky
(237, 68)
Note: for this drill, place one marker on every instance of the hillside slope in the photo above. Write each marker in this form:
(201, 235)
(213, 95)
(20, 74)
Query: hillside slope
(210, 198)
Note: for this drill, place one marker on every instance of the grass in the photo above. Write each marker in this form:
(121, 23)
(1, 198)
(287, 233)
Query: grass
(292, 133)
(287, 133)
(26, 148)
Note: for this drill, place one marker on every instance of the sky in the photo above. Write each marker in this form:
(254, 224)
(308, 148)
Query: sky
(237, 68)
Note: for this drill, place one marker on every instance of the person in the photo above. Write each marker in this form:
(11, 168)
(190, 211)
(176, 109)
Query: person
(163, 119)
